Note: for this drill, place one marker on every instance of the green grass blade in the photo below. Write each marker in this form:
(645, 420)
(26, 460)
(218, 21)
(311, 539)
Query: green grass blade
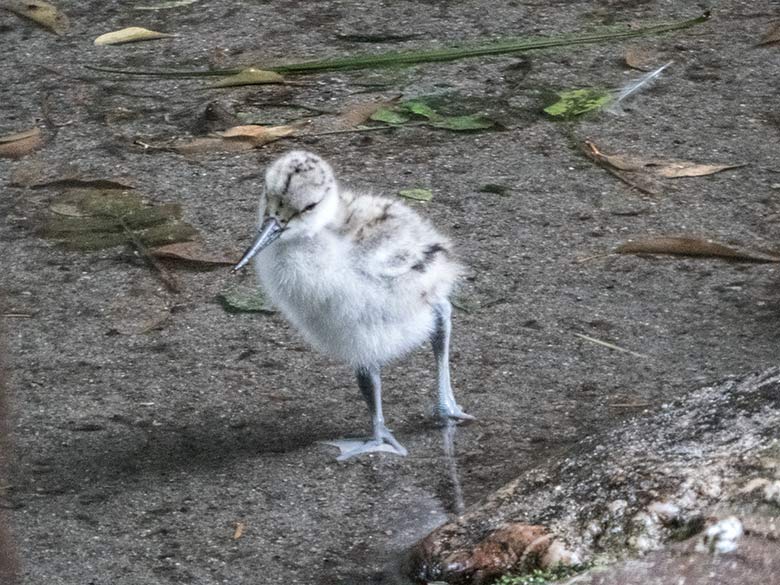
(436, 55)
(498, 48)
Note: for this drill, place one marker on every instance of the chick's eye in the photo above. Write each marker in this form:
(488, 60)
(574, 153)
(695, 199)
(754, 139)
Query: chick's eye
(309, 207)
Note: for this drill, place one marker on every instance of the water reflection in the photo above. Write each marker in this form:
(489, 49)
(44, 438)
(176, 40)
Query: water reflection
(448, 432)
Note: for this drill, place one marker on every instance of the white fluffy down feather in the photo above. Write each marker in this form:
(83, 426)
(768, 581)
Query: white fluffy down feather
(358, 275)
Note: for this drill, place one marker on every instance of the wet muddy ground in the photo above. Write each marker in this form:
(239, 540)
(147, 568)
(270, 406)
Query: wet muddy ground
(159, 439)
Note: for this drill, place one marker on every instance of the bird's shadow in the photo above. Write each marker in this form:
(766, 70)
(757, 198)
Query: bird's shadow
(123, 452)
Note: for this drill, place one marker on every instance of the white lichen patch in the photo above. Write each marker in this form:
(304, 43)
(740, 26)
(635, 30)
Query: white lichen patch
(557, 554)
(753, 485)
(722, 537)
(666, 512)
(646, 533)
(772, 492)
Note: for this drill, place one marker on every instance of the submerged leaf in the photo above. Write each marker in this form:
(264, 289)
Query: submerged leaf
(20, 143)
(164, 233)
(192, 252)
(132, 34)
(250, 76)
(239, 300)
(43, 13)
(90, 219)
(417, 194)
(576, 102)
(684, 246)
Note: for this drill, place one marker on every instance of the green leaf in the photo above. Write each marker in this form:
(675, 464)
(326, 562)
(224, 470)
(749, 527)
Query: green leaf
(399, 114)
(420, 108)
(239, 300)
(417, 194)
(389, 116)
(576, 102)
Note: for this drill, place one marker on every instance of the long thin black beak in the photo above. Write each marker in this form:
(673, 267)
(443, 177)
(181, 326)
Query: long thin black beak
(269, 231)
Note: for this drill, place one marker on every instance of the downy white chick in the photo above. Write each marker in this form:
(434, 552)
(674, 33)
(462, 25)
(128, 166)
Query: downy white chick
(363, 278)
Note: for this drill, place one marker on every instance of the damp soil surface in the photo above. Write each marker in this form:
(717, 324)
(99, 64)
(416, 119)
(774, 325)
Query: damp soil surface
(159, 439)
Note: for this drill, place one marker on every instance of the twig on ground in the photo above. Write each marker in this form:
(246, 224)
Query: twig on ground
(609, 345)
(166, 277)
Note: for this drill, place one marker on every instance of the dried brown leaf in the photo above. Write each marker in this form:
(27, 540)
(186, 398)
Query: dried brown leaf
(685, 246)
(236, 139)
(257, 134)
(618, 168)
(673, 169)
(239, 531)
(360, 113)
(772, 35)
(20, 144)
(20, 135)
(643, 59)
(192, 252)
(43, 13)
(667, 168)
(250, 76)
(131, 34)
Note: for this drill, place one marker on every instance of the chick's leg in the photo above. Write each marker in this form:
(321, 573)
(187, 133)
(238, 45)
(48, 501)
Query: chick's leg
(440, 340)
(370, 385)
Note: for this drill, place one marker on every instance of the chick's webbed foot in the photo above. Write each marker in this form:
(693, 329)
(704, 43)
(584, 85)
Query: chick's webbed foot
(383, 441)
(370, 385)
(453, 413)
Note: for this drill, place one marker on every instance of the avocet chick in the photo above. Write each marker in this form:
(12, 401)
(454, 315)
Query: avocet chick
(363, 278)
